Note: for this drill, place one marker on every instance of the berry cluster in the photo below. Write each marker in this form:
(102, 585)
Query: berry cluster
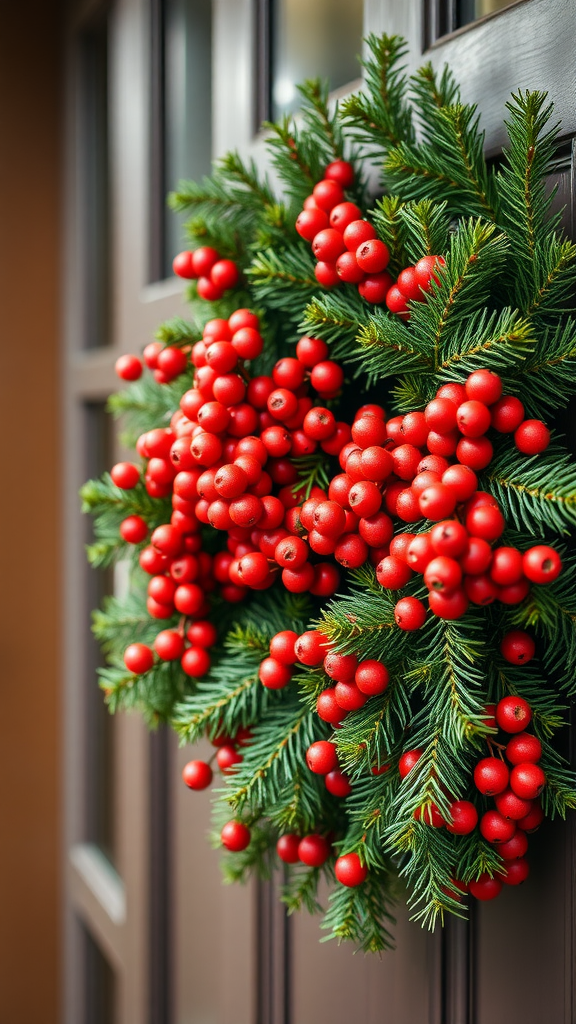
(412, 285)
(213, 274)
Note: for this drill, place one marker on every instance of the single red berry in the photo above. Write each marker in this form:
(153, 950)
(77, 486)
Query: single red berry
(373, 256)
(480, 589)
(340, 667)
(197, 774)
(424, 270)
(518, 647)
(138, 658)
(371, 677)
(282, 647)
(171, 362)
(495, 828)
(327, 377)
(328, 708)
(507, 414)
(327, 245)
(128, 367)
(227, 757)
(449, 538)
(477, 556)
(430, 815)
(491, 776)
(474, 452)
(513, 714)
(486, 522)
(224, 275)
(235, 836)
(515, 871)
(442, 444)
(369, 431)
(341, 171)
(449, 606)
(442, 574)
(169, 645)
(287, 848)
(273, 674)
(532, 437)
(310, 222)
(343, 214)
(515, 847)
(375, 287)
(125, 475)
(349, 697)
(440, 415)
(484, 386)
(419, 551)
(409, 613)
(393, 573)
(351, 551)
(376, 463)
(195, 662)
(524, 748)
(311, 647)
(183, 265)
(407, 761)
(506, 567)
(313, 850)
(396, 302)
(541, 564)
(461, 480)
(321, 757)
(485, 888)
(133, 530)
(357, 232)
(350, 870)
(406, 458)
(409, 284)
(203, 259)
(515, 593)
(527, 780)
(337, 783)
(327, 194)
(473, 418)
(364, 498)
(509, 805)
(463, 818)
(202, 634)
(533, 819)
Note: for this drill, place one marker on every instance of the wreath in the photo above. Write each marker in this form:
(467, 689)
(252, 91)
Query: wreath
(347, 525)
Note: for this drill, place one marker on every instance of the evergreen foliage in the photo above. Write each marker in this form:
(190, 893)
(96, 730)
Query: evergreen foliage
(504, 301)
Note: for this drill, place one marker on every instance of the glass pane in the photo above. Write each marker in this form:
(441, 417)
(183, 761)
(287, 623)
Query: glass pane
(471, 10)
(313, 40)
(187, 103)
(94, 186)
(99, 765)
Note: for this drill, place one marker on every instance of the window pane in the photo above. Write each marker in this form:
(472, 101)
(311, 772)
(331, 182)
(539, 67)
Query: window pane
(187, 103)
(310, 40)
(95, 184)
(471, 10)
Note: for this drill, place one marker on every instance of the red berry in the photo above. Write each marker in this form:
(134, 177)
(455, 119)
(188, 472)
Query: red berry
(461, 480)
(310, 648)
(171, 362)
(449, 538)
(328, 708)
(169, 645)
(368, 432)
(371, 677)
(541, 564)
(513, 714)
(227, 756)
(224, 274)
(518, 647)
(183, 265)
(273, 674)
(133, 530)
(424, 271)
(463, 818)
(128, 367)
(396, 302)
(524, 748)
(480, 589)
(241, 318)
(419, 551)
(532, 437)
(350, 870)
(321, 757)
(197, 774)
(515, 871)
(138, 658)
(357, 232)
(491, 776)
(506, 566)
(409, 284)
(310, 222)
(327, 377)
(341, 667)
(512, 806)
(195, 662)
(407, 761)
(474, 452)
(375, 287)
(449, 606)
(406, 458)
(442, 574)
(477, 557)
(343, 214)
(409, 613)
(473, 418)
(515, 593)
(393, 573)
(341, 171)
(515, 847)
(484, 386)
(364, 498)
(430, 815)
(337, 783)
(125, 475)
(373, 256)
(527, 780)
(327, 194)
(486, 522)
(495, 828)
(414, 429)
(349, 697)
(202, 634)
(328, 245)
(313, 850)
(287, 848)
(319, 423)
(533, 819)
(437, 501)
(440, 415)
(235, 836)
(507, 414)
(282, 647)
(485, 888)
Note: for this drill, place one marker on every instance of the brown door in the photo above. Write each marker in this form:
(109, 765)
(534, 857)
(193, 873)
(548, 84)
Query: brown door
(152, 936)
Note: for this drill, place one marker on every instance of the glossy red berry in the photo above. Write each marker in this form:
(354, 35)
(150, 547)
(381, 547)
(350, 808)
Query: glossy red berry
(409, 284)
(138, 658)
(311, 648)
(396, 302)
(541, 564)
(341, 667)
(442, 574)
(409, 613)
(532, 437)
(341, 171)
(350, 870)
(518, 647)
(228, 757)
(393, 573)
(373, 256)
(507, 414)
(496, 828)
(327, 194)
(509, 805)
(375, 287)
(484, 386)
(321, 757)
(195, 662)
(515, 847)
(533, 819)
(513, 714)
(273, 674)
(337, 783)
(463, 818)
(515, 871)
(407, 761)
(287, 848)
(437, 502)
(313, 850)
(310, 222)
(125, 475)
(440, 415)
(358, 232)
(202, 634)
(133, 530)
(327, 245)
(169, 645)
(486, 522)
(128, 367)
(371, 677)
(425, 271)
(474, 452)
(473, 418)
(203, 259)
(485, 888)
(327, 377)
(197, 774)
(527, 780)
(328, 708)
(419, 551)
(524, 748)
(235, 836)
(491, 776)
